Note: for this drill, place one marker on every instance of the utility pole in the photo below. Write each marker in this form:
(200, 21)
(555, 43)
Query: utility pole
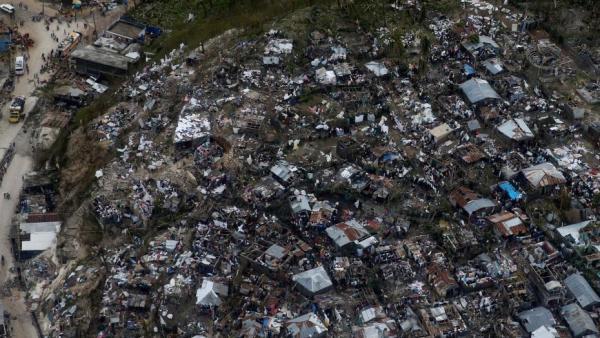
(94, 19)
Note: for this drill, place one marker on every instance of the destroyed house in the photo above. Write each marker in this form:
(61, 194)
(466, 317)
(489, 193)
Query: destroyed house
(493, 66)
(348, 148)
(470, 201)
(410, 325)
(268, 257)
(478, 91)
(321, 214)
(348, 235)
(460, 240)
(545, 282)
(483, 48)
(39, 183)
(472, 278)
(127, 30)
(542, 176)
(442, 281)
(266, 189)
(306, 326)
(300, 205)
(582, 234)
(283, 172)
(443, 320)
(383, 328)
(92, 60)
(370, 313)
(516, 130)
(542, 253)
(507, 224)
(137, 301)
(469, 153)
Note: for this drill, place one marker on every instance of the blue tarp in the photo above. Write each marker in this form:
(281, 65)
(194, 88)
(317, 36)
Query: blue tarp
(469, 70)
(4, 42)
(153, 31)
(390, 157)
(510, 190)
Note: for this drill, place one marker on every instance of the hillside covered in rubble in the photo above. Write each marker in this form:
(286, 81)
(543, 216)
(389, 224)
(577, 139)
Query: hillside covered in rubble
(332, 169)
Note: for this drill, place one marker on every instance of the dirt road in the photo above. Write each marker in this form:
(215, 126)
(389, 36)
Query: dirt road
(22, 163)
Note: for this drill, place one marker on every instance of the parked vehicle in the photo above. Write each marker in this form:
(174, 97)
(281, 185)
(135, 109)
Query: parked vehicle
(16, 109)
(7, 8)
(19, 65)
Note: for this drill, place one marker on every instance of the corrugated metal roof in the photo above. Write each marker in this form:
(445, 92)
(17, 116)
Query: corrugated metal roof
(314, 280)
(345, 233)
(516, 129)
(572, 230)
(578, 319)
(478, 90)
(579, 287)
(305, 326)
(494, 66)
(478, 204)
(543, 175)
(534, 318)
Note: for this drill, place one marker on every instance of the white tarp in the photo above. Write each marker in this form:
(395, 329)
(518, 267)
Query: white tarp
(378, 68)
(279, 46)
(206, 295)
(325, 77)
(192, 127)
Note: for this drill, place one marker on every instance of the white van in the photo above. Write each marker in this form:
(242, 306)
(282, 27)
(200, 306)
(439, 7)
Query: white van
(7, 8)
(20, 65)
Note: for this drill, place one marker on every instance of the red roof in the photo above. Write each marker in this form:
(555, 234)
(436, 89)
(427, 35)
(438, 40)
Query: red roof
(43, 218)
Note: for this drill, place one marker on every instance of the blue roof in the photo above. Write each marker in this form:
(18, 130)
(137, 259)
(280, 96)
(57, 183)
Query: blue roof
(510, 190)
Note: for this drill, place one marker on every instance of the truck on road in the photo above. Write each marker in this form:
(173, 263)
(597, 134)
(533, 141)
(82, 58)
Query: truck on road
(20, 65)
(16, 109)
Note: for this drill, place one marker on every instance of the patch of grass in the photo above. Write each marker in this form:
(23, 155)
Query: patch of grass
(99, 106)
(248, 15)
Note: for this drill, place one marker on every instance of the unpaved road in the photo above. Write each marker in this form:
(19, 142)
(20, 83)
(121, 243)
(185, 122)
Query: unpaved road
(21, 323)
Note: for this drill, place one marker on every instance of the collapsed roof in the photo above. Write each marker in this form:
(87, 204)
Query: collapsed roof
(543, 175)
(306, 326)
(345, 233)
(516, 129)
